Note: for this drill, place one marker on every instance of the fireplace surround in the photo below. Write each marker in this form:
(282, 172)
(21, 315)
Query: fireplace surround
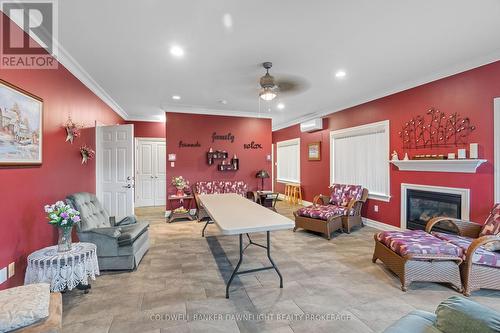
(419, 203)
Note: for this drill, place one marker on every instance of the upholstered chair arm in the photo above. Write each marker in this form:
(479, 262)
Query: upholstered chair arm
(477, 243)
(356, 205)
(112, 232)
(320, 200)
(464, 228)
(127, 220)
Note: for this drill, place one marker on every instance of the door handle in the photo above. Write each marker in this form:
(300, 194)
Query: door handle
(129, 178)
(127, 186)
(152, 177)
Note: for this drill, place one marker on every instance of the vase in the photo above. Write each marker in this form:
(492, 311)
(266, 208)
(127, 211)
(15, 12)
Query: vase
(180, 192)
(64, 240)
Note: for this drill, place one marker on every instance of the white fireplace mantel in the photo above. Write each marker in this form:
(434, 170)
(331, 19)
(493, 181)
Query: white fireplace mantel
(458, 165)
(463, 192)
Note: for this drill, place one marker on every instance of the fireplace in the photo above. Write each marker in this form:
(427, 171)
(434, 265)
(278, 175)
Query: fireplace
(419, 203)
(421, 206)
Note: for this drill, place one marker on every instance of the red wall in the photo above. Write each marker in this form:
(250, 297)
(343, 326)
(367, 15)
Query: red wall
(192, 162)
(148, 129)
(25, 190)
(470, 93)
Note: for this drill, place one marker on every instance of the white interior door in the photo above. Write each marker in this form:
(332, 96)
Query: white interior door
(115, 163)
(150, 172)
(161, 174)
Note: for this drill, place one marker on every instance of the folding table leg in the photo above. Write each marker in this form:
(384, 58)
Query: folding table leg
(236, 268)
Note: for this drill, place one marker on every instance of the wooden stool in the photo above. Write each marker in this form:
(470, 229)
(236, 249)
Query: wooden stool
(294, 193)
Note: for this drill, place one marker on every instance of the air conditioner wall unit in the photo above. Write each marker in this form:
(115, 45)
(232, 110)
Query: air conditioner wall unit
(312, 125)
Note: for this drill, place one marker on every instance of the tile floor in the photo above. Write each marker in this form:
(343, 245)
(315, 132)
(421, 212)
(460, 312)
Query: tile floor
(179, 286)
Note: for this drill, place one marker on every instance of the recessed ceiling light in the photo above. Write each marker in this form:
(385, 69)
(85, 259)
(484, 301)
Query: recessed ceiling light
(280, 106)
(176, 51)
(176, 97)
(223, 101)
(340, 74)
(227, 20)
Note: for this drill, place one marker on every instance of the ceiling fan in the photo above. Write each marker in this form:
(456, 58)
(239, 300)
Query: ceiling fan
(270, 87)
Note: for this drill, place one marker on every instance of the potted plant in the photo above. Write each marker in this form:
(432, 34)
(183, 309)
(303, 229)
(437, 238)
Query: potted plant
(180, 184)
(63, 217)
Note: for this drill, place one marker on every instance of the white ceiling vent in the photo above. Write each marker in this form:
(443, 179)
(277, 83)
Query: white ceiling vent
(312, 125)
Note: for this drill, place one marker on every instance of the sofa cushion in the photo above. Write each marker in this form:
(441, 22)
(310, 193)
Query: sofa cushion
(459, 314)
(322, 212)
(92, 213)
(341, 195)
(481, 257)
(417, 242)
(417, 321)
(492, 225)
(23, 306)
(129, 233)
(238, 187)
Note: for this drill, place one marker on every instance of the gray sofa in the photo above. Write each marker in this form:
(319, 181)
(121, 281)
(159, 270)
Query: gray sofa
(455, 315)
(120, 246)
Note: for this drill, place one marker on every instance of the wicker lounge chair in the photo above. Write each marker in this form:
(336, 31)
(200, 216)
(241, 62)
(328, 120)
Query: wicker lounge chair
(339, 211)
(414, 255)
(481, 267)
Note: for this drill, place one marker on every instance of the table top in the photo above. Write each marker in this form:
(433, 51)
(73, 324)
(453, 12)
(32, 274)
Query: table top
(176, 197)
(234, 214)
(51, 253)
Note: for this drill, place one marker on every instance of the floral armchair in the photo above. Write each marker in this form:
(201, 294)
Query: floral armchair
(481, 249)
(340, 210)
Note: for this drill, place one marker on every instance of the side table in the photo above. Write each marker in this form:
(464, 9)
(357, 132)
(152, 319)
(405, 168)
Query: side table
(63, 270)
(180, 215)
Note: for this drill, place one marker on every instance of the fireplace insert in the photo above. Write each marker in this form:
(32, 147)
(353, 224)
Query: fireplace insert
(421, 206)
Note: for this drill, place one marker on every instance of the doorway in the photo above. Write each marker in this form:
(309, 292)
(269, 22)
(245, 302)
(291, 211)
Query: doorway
(150, 172)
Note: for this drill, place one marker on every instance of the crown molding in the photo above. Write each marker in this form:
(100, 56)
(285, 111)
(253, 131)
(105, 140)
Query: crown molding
(151, 119)
(450, 71)
(65, 59)
(215, 112)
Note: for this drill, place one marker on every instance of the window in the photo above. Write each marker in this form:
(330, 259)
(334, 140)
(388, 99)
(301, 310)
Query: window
(288, 160)
(360, 156)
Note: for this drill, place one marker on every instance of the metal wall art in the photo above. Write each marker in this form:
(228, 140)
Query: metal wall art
(436, 129)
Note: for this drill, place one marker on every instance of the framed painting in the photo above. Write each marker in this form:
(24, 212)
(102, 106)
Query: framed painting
(21, 126)
(314, 151)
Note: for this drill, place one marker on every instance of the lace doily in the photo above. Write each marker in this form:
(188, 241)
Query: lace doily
(63, 270)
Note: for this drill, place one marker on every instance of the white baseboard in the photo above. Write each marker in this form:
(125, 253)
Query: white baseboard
(379, 225)
(281, 196)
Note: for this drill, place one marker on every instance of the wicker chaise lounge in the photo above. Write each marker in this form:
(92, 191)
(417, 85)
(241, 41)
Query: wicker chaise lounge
(339, 211)
(481, 266)
(414, 255)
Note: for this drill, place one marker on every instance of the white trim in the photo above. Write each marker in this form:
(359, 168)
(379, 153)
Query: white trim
(272, 167)
(463, 192)
(496, 135)
(380, 126)
(215, 112)
(379, 225)
(356, 100)
(457, 165)
(149, 139)
(98, 160)
(291, 142)
(148, 119)
(65, 59)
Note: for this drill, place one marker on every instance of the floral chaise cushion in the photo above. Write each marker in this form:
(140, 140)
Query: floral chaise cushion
(238, 187)
(492, 225)
(322, 212)
(418, 242)
(221, 186)
(341, 195)
(481, 255)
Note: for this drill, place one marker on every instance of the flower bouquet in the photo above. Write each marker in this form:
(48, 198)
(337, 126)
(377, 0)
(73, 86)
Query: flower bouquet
(87, 153)
(180, 184)
(72, 130)
(63, 217)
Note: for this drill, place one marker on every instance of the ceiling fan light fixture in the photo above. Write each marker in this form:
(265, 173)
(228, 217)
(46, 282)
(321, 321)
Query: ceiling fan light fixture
(267, 94)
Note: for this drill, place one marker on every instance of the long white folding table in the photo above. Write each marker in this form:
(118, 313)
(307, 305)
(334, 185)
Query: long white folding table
(236, 215)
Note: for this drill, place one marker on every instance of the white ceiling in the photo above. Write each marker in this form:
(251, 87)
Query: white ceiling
(384, 46)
